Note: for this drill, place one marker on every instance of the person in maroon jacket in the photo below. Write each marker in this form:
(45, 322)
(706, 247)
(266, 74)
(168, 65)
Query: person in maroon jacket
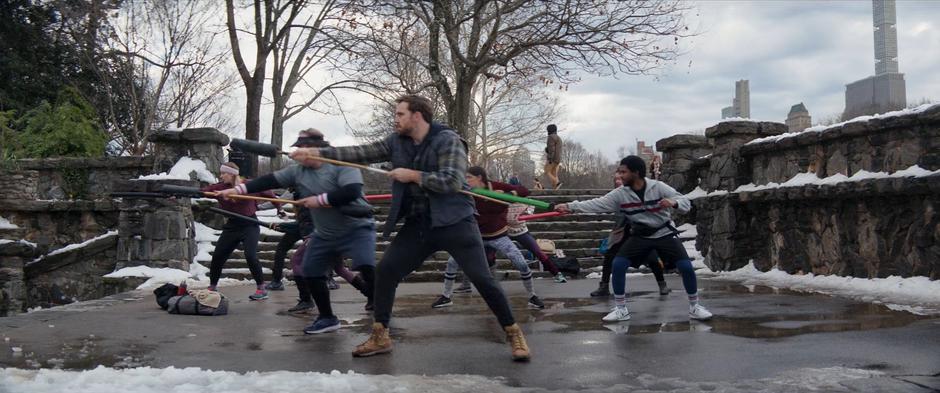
(494, 229)
(237, 231)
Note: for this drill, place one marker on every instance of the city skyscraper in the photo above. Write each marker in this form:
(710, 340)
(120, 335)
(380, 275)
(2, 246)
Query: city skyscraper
(885, 91)
(740, 102)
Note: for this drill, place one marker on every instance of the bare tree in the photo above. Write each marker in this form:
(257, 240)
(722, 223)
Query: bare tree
(169, 68)
(272, 21)
(581, 168)
(318, 42)
(549, 39)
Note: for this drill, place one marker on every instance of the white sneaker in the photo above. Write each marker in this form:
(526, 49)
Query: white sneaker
(699, 312)
(617, 315)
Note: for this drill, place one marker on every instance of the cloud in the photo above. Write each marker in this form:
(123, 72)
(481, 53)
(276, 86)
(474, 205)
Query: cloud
(790, 51)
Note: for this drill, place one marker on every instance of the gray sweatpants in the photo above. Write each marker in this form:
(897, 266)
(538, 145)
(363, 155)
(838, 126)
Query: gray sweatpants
(502, 245)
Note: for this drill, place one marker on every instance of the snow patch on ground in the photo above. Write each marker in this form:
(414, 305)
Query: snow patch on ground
(698, 192)
(6, 224)
(915, 294)
(195, 380)
(182, 169)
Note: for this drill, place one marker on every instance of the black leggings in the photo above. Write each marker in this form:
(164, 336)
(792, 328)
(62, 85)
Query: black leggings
(234, 233)
(290, 237)
(415, 242)
(652, 261)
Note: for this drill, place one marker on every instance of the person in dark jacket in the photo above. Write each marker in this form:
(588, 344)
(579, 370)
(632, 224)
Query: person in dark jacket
(553, 156)
(237, 231)
(429, 165)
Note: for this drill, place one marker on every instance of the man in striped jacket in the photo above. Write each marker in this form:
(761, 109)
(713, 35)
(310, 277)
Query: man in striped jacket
(647, 204)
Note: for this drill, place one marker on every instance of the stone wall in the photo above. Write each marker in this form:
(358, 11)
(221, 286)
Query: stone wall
(14, 255)
(727, 169)
(683, 156)
(68, 178)
(201, 143)
(53, 224)
(870, 228)
(157, 232)
(888, 145)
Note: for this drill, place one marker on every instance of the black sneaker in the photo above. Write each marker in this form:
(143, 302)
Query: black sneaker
(275, 286)
(331, 283)
(463, 288)
(602, 291)
(535, 302)
(442, 301)
(302, 307)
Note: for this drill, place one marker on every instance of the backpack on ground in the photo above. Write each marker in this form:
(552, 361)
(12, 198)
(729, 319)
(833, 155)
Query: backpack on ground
(567, 265)
(164, 293)
(195, 303)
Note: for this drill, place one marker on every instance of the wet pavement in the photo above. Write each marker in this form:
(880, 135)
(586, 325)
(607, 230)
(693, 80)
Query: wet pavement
(760, 339)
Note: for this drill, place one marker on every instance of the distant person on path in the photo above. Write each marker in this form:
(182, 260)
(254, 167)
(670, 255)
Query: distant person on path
(237, 231)
(513, 180)
(537, 184)
(647, 204)
(656, 165)
(553, 156)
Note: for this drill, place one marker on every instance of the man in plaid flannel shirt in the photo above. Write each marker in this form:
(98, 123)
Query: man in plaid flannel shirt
(429, 164)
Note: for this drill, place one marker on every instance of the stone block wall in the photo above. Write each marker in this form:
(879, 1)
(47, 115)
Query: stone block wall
(200, 143)
(727, 169)
(870, 228)
(68, 177)
(14, 255)
(155, 232)
(682, 158)
(53, 224)
(878, 145)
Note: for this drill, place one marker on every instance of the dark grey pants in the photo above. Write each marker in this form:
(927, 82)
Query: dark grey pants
(415, 242)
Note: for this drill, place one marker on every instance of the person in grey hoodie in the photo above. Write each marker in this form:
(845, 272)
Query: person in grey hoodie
(647, 204)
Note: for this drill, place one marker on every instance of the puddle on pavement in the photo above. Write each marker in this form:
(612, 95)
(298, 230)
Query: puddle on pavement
(575, 314)
(85, 354)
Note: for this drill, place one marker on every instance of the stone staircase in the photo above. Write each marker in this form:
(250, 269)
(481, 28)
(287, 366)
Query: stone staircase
(578, 235)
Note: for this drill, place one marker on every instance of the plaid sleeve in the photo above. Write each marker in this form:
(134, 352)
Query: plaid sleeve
(452, 167)
(363, 154)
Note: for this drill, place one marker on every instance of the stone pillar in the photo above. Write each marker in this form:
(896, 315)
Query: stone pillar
(198, 143)
(14, 255)
(727, 169)
(156, 232)
(680, 154)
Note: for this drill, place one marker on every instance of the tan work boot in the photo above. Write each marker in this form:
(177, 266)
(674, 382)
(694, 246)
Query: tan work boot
(378, 342)
(520, 350)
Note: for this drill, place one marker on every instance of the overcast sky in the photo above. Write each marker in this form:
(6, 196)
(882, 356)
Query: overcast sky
(791, 51)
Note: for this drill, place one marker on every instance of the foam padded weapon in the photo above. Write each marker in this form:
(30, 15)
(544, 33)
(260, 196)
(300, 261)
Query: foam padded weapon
(513, 198)
(357, 211)
(529, 217)
(269, 150)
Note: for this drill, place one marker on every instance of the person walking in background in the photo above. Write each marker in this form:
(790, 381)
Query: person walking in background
(553, 156)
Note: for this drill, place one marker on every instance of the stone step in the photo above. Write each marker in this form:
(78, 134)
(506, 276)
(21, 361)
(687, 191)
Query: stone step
(440, 255)
(424, 276)
(430, 265)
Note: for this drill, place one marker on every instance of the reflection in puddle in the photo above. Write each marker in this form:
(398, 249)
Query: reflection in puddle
(572, 315)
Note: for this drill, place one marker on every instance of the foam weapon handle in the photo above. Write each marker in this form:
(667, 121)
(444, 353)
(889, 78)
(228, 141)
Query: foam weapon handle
(244, 218)
(528, 217)
(512, 198)
(172, 189)
(261, 149)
